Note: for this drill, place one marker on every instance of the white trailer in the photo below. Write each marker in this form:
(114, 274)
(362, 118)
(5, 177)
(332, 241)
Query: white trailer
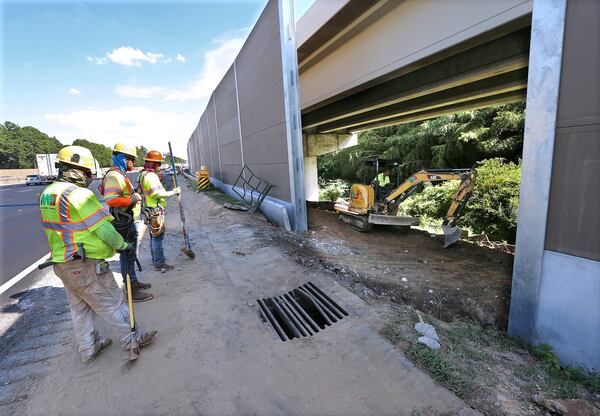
(46, 166)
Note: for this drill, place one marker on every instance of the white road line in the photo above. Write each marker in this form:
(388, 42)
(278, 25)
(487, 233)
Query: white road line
(21, 275)
(26, 190)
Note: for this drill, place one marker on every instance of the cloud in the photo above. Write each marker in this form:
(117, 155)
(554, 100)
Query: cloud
(128, 56)
(74, 91)
(180, 57)
(135, 91)
(136, 125)
(98, 61)
(216, 62)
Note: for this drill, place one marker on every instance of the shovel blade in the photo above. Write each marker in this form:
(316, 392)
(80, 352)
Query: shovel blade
(188, 252)
(451, 235)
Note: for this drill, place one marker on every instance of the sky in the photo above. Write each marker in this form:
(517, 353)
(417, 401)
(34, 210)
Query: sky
(139, 72)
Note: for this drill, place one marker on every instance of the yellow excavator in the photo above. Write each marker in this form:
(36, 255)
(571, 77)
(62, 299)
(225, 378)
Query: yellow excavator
(371, 204)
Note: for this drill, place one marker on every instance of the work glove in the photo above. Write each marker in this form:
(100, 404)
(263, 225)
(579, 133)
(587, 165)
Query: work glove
(128, 249)
(135, 198)
(176, 191)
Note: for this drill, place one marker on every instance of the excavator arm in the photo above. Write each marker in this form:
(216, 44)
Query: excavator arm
(389, 205)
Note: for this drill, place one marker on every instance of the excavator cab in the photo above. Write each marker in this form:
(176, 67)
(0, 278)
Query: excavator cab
(364, 197)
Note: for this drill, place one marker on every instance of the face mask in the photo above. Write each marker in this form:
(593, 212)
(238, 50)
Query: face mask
(76, 176)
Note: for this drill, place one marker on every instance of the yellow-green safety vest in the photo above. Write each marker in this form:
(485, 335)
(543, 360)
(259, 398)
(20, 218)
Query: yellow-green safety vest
(150, 184)
(116, 184)
(383, 179)
(70, 214)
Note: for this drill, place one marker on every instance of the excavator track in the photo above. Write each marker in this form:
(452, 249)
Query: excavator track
(357, 222)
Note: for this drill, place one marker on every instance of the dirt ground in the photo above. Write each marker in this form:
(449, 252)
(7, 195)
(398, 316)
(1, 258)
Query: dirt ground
(214, 355)
(410, 268)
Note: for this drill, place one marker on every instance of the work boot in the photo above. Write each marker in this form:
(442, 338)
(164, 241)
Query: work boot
(164, 268)
(100, 345)
(137, 295)
(142, 285)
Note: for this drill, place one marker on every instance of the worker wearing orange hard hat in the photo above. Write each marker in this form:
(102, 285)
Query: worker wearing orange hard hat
(153, 206)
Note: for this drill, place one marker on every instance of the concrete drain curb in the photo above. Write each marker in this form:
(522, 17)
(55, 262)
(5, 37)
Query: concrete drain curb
(301, 312)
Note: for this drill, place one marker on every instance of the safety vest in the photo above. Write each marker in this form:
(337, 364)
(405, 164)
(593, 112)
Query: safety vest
(116, 184)
(383, 179)
(150, 185)
(70, 214)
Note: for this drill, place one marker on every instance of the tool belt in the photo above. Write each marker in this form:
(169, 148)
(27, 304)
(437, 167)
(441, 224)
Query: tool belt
(155, 219)
(123, 223)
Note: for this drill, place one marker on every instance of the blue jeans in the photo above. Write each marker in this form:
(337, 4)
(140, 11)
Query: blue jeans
(126, 260)
(158, 255)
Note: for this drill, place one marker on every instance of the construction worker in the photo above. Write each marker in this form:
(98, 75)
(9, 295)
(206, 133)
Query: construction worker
(154, 195)
(81, 237)
(125, 208)
(384, 178)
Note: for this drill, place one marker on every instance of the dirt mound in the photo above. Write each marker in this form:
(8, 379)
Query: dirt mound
(410, 267)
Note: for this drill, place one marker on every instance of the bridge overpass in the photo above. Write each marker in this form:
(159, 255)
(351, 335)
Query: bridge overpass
(352, 65)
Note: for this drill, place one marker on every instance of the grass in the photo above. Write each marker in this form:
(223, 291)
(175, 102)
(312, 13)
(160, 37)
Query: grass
(475, 359)
(441, 367)
(220, 198)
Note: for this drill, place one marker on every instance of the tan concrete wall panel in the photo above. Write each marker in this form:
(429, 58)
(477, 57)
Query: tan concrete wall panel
(261, 105)
(580, 84)
(573, 214)
(574, 207)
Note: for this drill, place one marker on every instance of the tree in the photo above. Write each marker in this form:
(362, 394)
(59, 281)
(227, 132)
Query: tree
(141, 154)
(19, 145)
(177, 160)
(100, 152)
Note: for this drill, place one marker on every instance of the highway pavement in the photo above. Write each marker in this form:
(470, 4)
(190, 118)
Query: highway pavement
(22, 238)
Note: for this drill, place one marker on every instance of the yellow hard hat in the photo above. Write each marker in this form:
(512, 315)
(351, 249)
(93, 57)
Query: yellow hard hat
(76, 156)
(127, 150)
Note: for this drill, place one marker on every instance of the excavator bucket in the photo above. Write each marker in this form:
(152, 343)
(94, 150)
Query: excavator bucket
(451, 235)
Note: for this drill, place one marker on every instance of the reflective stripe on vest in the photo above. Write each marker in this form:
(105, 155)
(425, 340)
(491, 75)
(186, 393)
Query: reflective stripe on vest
(67, 219)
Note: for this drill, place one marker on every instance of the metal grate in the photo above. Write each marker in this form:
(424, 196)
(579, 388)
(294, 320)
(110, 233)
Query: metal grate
(301, 312)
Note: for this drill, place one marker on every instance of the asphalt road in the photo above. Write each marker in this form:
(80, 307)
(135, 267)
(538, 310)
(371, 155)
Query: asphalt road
(22, 238)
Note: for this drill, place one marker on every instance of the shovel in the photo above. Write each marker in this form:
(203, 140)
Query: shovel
(134, 351)
(187, 250)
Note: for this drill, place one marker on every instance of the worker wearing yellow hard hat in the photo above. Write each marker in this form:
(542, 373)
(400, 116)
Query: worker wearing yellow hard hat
(124, 205)
(81, 237)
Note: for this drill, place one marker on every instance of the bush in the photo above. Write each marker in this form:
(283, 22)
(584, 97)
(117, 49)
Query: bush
(492, 208)
(494, 205)
(332, 190)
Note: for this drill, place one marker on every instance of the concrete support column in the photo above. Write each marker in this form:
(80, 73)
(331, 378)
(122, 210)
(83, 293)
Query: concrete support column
(546, 51)
(311, 179)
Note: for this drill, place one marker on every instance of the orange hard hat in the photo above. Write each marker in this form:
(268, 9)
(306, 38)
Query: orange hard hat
(154, 156)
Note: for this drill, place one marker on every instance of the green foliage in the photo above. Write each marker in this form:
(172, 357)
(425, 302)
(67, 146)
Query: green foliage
(492, 208)
(440, 367)
(332, 190)
(100, 152)
(141, 154)
(19, 145)
(493, 135)
(167, 161)
(494, 205)
(453, 141)
(566, 377)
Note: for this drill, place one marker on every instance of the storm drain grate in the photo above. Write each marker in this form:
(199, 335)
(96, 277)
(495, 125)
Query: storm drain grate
(301, 312)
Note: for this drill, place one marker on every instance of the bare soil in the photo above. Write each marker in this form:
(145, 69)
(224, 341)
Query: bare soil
(410, 267)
